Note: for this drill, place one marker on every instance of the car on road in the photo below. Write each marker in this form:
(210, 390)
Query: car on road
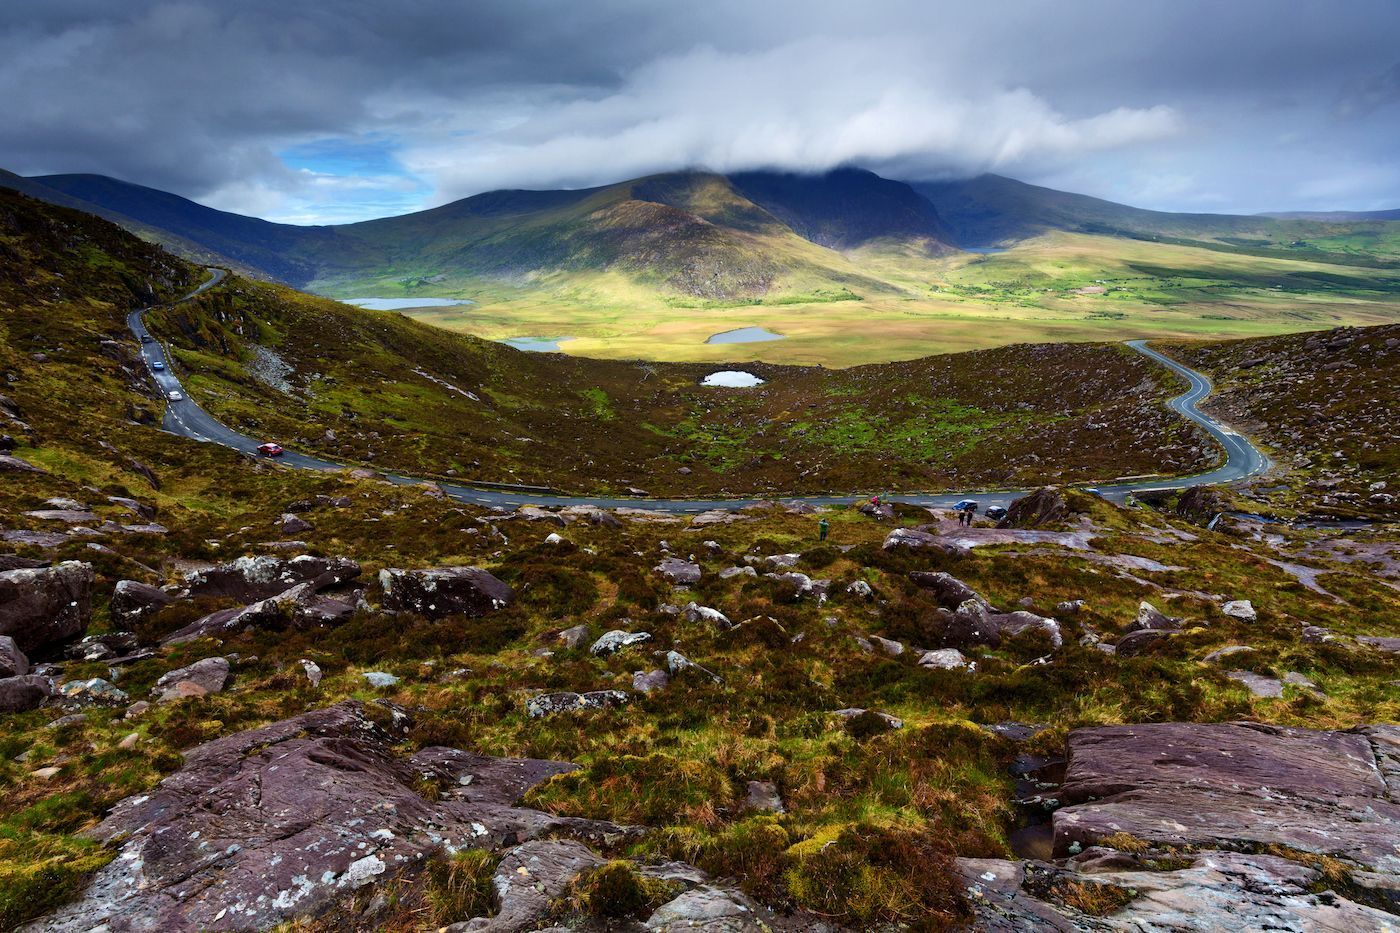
(270, 449)
(158, 366)
(174, 395)
(996, 512)
(145, 338)
(962, 505)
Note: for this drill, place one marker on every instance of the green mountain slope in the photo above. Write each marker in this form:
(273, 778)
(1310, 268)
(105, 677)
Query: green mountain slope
(687, 233)
(991, 210)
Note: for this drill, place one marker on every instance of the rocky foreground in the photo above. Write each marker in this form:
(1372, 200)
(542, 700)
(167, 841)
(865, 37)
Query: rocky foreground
(642, 721)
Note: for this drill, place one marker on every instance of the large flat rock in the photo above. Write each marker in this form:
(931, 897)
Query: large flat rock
(1234, 784)
(287, 820)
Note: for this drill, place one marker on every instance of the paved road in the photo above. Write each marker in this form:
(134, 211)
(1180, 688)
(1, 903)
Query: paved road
(185, 418)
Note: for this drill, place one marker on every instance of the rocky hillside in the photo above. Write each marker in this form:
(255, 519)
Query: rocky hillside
(1326, 406)
(391, 709)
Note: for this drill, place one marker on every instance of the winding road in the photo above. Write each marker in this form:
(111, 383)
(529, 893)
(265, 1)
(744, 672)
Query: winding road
(184, 417)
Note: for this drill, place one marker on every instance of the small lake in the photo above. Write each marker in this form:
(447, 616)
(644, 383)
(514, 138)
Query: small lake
(398, 304)
(732, 379)
(745, 335)
(984, 249)
(536, 344)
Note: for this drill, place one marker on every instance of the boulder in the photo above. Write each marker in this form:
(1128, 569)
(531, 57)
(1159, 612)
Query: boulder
(1021, 622)
(721, 909)
(802, 585)
(12, 464)
(93, 692)
(133, 602)
(947, 590)
(887, 646)
(201, 678)
(312, 671)
(380, 679)
(730, 572)
(1234, 785)
(1258, 684)
(884, 512)
(679, 572)
(647, 681)
(574, 636)
(444, 591)
(292, 524)
(971, 625)
(106, 647)
(1229, 651)
(13, 663)
(591, 515)
(1044, 508)
(694, 612)
(66, 516)
(1135, 643)
(290, 819)
(300, 606)
(548, 704)
(852, 713)
(1149, 617)
(945, 659)
(249, 579)
(677, 662)
(763, 795)
(860, 590)
(1241, 609)
(613, 642)
(135, 507)
(1201, 504)
(717, 517)
(41, 607)
(1069, 608)
(529, 880)
(915, 539)
(24, 692)
(1388, 645)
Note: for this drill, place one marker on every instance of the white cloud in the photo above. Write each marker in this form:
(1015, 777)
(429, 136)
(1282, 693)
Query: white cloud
(808, 105)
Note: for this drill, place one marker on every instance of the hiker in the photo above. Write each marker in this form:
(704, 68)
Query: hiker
(969, 512)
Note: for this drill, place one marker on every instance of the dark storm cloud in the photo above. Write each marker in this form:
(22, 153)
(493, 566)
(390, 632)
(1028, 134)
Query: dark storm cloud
(1195, 104)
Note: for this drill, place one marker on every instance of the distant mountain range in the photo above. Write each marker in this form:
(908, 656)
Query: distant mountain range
(698, 234)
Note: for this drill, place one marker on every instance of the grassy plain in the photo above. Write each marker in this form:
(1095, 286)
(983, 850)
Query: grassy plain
(1033, 293)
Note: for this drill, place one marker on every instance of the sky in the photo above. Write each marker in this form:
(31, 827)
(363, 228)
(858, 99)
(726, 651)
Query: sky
(343, 110)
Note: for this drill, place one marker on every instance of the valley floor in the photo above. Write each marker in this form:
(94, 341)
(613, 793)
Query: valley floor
(1055, 288)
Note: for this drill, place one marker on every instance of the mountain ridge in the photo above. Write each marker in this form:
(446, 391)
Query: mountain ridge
(715, 237)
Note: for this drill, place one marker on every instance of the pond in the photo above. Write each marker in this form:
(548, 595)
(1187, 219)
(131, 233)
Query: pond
(745, 335)
(984, 249)
(398, 304)
(536, 344)
(732, 379)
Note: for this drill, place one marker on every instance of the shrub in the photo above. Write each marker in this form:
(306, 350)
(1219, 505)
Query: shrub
(616, 891)
(870, 874)
(459, 886)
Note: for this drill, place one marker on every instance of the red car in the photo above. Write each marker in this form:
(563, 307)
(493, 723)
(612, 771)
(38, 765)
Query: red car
(270, 450)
